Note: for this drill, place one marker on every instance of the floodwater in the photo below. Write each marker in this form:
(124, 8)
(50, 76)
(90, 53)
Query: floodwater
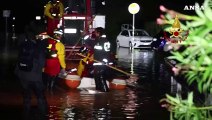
(132, 103)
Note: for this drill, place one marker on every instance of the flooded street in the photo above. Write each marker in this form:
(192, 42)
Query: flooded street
(154, 55)
(141, 103)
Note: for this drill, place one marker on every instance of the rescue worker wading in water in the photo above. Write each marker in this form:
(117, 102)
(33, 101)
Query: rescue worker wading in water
(53, 11)
(101, 53)
(55, 62)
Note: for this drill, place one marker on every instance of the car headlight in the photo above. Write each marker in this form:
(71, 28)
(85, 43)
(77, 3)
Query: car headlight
(154, 39)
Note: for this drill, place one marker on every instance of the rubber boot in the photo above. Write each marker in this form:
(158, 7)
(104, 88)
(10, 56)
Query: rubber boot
(97, 82)
(52, 83)
(97, 75)
(104, 87)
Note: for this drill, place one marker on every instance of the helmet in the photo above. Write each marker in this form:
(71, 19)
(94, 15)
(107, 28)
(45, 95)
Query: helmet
(58, 32)
(100, 30)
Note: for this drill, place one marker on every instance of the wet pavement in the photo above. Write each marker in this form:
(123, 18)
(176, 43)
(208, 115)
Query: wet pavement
(141, 103)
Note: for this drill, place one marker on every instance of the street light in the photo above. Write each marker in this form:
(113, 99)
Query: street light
(133, 9)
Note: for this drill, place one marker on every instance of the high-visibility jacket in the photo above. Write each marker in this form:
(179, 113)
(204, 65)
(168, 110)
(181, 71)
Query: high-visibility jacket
(56, 62)
(54, 10)
(53, 13)
(102, 50)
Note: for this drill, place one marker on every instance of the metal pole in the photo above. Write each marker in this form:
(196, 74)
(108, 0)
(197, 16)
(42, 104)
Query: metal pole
(133, 26)
(133, 9)
(132, 65)
(132, 57)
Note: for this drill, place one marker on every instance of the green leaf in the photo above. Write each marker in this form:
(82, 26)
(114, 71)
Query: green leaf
(199, 12)
(206, 74)
(207, 60)
(182, 117)
(207, 10)
(168, 16)
(198, 39)
(173, 99)
(190, 99)
(208, 84)
(177, 56)
(200, 61)
(205, 87)
(191, 77)
(204, 32)
(197, 59)
(197, 23)
(195, 32)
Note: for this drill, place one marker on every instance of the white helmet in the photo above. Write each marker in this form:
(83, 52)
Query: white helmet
(58, 31)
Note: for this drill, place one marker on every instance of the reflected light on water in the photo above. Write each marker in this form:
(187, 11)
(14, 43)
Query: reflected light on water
(131, 104)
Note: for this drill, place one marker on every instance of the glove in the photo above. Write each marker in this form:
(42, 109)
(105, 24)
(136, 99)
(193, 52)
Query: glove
(63, 72)
(83, 50)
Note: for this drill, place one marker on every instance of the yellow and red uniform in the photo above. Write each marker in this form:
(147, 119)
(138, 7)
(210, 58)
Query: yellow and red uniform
(82, 70)
(53, 12)
(57, 61)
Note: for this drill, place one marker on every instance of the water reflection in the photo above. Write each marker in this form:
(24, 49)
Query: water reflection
(129, 104)
(139, 56)
(117, 104)
(132, 103)
(101, 109)
(142, 62)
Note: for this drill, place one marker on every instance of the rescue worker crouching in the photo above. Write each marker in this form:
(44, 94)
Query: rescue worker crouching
(55, 62)
(85, 68)
(101, 54)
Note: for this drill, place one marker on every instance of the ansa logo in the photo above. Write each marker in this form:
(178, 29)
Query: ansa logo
(177, 34)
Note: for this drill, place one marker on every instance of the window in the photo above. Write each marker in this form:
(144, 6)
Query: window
(139, 33)
(125, 33)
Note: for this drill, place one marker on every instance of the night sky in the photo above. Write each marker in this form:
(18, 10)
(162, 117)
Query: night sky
(116, 10)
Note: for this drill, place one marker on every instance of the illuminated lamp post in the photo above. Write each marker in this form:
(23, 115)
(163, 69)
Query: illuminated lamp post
(133, 9)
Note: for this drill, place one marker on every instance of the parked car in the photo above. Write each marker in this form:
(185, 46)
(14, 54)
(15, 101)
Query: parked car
(141, 39)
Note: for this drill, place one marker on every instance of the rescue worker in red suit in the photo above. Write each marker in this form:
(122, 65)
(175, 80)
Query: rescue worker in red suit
(101, 54)
(53, 11)
(55, 62)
